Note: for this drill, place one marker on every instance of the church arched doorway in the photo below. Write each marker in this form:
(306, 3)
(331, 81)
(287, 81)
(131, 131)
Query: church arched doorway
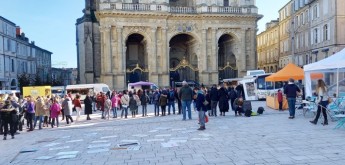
(136, 58)
(183, 59)
(226, 57)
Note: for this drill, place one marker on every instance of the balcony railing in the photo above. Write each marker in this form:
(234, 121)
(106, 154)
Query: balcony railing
(106, 5)
(229, 10)
(136, 7)
(183, 10)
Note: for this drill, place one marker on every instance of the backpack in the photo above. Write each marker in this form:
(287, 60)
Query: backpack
(248, 113)
(132, 102)
(260, 110)
(171, 95)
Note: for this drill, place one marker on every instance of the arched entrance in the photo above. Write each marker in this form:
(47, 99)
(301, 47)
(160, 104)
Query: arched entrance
(13, 84)
(136, 58)
(226, 57)
(183, 58)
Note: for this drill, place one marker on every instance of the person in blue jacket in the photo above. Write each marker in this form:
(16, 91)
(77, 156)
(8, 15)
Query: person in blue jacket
(201, 107)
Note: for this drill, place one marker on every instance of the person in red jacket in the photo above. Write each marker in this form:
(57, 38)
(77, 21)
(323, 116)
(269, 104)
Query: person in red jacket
(101, 102)
(77, 105)
(280, 100)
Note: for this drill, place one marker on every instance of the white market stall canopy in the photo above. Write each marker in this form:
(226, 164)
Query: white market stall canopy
(334, 63)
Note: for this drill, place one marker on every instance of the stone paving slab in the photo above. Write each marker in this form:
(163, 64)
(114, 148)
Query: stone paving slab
(267, 139)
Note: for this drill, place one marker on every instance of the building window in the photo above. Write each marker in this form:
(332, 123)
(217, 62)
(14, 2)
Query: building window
(12, 65)
(307, 16)
(325, 33)
(315, 57)
(316, 11)
(306, 59)
(9, 45)
(302, 18)
(315, 36)
(226, 2)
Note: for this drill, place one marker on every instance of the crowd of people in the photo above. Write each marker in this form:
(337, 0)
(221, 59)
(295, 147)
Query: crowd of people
(45, 111)
(40, 111)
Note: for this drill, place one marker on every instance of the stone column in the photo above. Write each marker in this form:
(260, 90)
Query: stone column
(153, 61)
(252, 52)
(214, 57)
(165, 66)
(120, 70)
(204, 49)
(115, 57)
(203, 74)
(241, 62)
(106, 58)
(106, 46)
(214, 50)
(120, 54)
(154, 48)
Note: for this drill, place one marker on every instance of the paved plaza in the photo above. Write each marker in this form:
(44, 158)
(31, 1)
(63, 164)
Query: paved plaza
(267, 139)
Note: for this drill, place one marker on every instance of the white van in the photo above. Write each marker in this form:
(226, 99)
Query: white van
(83, 89)
(141, 85)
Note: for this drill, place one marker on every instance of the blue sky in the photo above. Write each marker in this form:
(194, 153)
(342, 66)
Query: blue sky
(51, 23)
(269, 8)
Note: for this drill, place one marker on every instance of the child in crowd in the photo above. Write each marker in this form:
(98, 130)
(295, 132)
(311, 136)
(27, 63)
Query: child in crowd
(280, 100)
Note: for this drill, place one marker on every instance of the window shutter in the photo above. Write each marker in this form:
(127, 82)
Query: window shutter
(329, 32)
(319, 35)
(13, 46)
(5, 44)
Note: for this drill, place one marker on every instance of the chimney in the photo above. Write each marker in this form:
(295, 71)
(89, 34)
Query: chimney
(18, 31)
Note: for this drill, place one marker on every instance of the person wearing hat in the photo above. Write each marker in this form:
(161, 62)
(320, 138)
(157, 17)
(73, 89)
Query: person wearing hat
(186, 96)
(8, 116)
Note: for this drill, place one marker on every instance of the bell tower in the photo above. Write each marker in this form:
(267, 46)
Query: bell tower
(88, 44)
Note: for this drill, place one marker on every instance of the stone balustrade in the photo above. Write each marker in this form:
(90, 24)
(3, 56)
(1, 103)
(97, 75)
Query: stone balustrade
(182, 10)
(176, 9)
(136, 7)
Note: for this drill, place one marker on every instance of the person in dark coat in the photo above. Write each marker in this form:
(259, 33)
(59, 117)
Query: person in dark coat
(200, 107)
(144, 99)
(223, 101)
(291, 90)
(232, 96)
(8, 116)
(240, 91)
(208, 99)
(214, 100)
(88, 106)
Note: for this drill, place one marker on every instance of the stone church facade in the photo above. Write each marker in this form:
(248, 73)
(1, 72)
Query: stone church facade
(166, 41)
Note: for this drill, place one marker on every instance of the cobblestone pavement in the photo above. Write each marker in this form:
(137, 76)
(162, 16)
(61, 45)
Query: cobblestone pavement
(267, 139)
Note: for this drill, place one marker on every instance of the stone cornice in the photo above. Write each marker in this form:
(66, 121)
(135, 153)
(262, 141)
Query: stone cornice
(122, 14)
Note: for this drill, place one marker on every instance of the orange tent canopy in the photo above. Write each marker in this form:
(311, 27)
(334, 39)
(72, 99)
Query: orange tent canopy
(291, 71)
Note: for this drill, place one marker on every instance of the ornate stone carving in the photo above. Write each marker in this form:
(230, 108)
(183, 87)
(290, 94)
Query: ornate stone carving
(183, 64)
